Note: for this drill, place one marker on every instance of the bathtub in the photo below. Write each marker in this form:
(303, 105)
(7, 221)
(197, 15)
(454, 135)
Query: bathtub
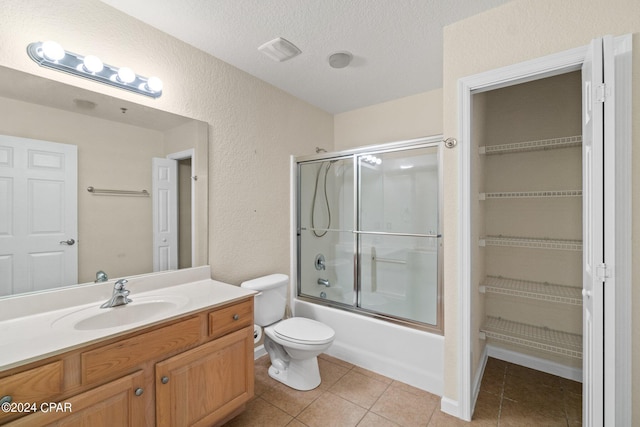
(405, 354)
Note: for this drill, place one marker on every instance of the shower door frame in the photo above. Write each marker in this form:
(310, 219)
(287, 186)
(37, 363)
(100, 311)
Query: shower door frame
(425, 142)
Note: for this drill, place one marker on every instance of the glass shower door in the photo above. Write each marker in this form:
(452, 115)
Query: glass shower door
(325, 234)
(398, 233)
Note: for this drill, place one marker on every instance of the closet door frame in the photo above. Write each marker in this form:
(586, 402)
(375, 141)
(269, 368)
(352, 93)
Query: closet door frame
(617, 231)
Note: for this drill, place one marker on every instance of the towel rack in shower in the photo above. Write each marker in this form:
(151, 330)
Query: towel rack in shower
(102, 191)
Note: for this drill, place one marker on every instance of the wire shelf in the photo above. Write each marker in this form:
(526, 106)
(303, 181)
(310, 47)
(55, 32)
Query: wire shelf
(530, 194)
(525, 242)
(539, 338)
(533, 290)
(542, 144)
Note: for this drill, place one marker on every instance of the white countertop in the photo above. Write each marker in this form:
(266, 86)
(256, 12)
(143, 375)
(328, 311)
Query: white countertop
(37, 326)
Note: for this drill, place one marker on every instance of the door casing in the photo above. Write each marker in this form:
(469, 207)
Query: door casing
(617, 367)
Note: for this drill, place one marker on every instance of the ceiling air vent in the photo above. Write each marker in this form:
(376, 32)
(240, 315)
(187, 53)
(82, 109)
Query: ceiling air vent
(280, 49)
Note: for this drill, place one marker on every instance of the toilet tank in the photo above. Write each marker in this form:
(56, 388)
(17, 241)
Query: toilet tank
(270, 302)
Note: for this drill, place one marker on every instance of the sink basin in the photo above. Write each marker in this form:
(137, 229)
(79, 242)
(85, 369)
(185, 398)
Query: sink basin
(141, 309)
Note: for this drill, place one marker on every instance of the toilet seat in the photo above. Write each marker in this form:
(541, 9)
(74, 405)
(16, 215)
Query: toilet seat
(304, 331)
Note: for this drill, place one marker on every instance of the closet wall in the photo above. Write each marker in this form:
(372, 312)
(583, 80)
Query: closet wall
(527, 219)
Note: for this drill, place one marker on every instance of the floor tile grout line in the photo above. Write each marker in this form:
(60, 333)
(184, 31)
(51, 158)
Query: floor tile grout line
(504, 381)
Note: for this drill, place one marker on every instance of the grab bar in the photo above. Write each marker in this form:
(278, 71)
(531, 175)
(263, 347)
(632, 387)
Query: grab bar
(389, 260)
(102, 191)
(386, 233)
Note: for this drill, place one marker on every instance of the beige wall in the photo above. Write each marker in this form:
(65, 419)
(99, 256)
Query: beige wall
(253, 127)
(516, 32)
(401, 119)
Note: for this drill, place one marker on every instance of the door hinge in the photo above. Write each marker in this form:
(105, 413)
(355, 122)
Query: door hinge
(603, 272)
(602, 93)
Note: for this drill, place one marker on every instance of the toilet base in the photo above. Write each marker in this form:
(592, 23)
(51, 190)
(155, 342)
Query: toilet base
(299, 374)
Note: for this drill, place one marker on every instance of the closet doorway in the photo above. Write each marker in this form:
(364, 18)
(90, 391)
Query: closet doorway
(545, 220)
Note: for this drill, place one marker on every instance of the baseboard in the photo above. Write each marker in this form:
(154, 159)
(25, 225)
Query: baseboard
(450, 406)
(536, 363)
(258, 352)
(417, 376)
(477, 381)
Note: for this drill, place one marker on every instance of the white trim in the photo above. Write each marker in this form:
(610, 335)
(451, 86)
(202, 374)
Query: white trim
(527, 71)
(449, 406)
(477, 380)
(258, 352)
(536, 363)
(619, 320)
(182, 155)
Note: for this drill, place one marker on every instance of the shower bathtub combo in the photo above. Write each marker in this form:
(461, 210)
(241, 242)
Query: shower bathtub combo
(368, 246)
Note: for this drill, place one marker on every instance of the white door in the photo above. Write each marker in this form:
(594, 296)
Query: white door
(165, 214)
(593, 320)
(607, 229)
(38, 215)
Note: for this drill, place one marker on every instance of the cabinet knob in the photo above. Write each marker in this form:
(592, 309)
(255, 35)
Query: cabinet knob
(6, 399)
(164, 380)
(236, 316)
(139, 391)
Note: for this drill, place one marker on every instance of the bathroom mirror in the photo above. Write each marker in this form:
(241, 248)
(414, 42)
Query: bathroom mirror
(115, 142)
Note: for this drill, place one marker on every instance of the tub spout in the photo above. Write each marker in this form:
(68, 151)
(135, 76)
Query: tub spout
(324, 282)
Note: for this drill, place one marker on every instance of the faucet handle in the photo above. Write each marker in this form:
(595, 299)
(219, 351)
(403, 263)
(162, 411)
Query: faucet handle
(120, 284)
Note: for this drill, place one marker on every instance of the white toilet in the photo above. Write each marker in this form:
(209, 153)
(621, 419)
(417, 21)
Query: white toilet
(293, 344)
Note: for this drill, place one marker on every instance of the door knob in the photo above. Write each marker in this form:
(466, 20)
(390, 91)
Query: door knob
(69, 242)
(586, 293)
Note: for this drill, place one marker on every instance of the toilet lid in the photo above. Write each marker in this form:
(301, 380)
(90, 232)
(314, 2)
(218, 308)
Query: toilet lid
(303, 330)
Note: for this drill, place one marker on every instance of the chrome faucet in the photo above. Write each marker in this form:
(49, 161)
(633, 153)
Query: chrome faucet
(119, 296)
(324, 282)
(101, 276)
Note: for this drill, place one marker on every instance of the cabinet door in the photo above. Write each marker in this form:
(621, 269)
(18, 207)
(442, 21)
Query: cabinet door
(201, 386)
(113, 404)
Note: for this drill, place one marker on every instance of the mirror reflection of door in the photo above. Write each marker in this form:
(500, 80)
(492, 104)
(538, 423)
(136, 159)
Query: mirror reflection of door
(164, 185)
(172, 193)
(38, 215)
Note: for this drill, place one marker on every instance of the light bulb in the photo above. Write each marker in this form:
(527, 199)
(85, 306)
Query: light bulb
(154, 84)
(92, 64)
(52, 51)
(126, 75)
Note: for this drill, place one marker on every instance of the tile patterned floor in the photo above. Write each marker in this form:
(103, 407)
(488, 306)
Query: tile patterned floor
(510, 395)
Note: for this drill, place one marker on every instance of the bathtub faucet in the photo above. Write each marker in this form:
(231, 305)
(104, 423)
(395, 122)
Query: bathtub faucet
(324, 282)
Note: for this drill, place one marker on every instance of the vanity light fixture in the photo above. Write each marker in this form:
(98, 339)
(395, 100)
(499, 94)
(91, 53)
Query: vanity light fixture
(51, 55)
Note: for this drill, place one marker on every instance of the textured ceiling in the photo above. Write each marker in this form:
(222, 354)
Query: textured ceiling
(396, 44)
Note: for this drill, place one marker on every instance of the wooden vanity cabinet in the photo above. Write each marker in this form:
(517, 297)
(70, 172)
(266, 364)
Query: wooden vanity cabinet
(117, 403)
(192, 371)
(203, 385)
